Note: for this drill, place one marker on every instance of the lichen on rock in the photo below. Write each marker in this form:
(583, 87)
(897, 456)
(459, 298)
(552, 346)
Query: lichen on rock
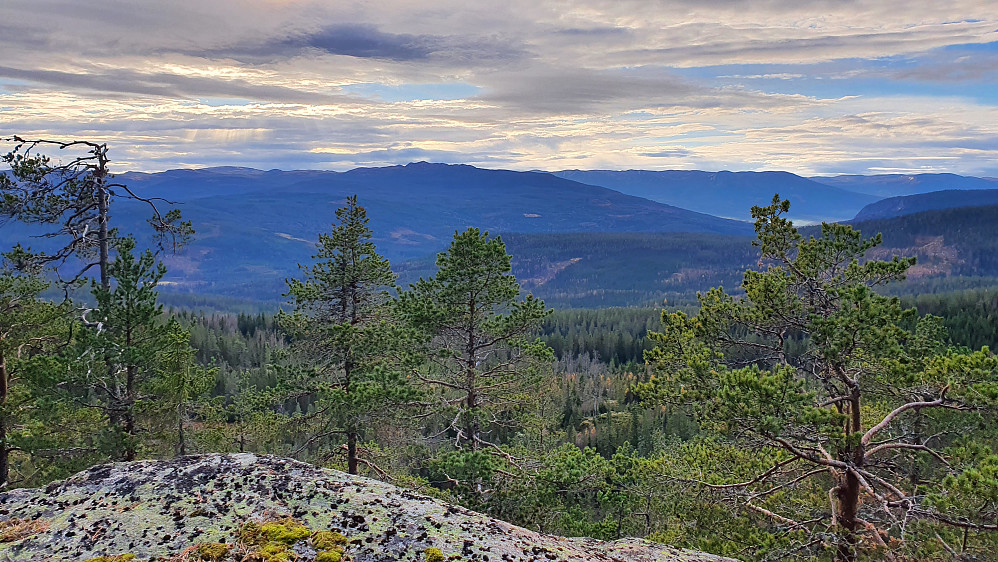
(156, 510)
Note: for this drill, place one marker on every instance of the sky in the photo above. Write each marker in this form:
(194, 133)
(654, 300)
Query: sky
(813, 87)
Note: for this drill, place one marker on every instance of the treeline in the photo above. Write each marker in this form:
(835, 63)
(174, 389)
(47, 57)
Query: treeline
(616, 336)
(970, 317)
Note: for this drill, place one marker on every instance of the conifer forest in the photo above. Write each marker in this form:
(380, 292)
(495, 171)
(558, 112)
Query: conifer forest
(801, 407)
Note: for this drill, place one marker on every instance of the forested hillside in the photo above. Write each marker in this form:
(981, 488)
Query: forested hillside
(934, 201)
(596, 270)
(773, 402)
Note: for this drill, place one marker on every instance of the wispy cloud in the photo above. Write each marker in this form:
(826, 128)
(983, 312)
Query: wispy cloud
(811, 86)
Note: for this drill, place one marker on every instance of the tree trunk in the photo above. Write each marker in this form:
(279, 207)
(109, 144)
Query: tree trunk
(471, 400)
(352, 452)
(103, 242)
(129, 414)
(181, 444)
(848, 509)
(4, 448)
(4, 453)
(471, 421)
(849, 487)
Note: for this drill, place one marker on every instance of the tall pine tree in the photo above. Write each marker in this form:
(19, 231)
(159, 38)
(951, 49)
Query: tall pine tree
(342, 341)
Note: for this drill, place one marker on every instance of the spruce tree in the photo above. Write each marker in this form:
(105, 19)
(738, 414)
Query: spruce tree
(179, 384)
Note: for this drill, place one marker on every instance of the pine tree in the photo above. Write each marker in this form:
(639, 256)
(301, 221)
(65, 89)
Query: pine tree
(342, 340)
(31, 329)
(73, 197)
(119, 354)
(476, 331)
(837, 391)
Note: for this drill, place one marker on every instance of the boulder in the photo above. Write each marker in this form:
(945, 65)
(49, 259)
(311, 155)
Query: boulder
(199, 507)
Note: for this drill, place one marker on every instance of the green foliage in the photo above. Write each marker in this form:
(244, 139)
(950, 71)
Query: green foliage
(348, 360)
(30, 332)
(970, 317)
(119, 355)
(611, 335)
(460, 468)
(476, 332)
(819, 372)
(179, 384)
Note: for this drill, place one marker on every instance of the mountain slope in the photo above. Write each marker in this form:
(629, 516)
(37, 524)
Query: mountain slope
(949, 243)
(892, 185)
(936, 200)
(254, 227)
(729, 194)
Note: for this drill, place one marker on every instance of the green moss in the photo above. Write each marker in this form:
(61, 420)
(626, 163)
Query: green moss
(282, 532)
(275, 552)
(115, 558)
(329, 556)
(251, 535)
(325, 540)
(287, 531)
(434, 555)
(213, 552)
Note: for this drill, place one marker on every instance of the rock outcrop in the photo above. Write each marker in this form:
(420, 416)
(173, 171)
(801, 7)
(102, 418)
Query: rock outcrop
(213, 507)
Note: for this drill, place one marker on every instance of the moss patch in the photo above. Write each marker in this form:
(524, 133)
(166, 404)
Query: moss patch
(275, 541)
(325, 540)
(286, 531)
(213, 552)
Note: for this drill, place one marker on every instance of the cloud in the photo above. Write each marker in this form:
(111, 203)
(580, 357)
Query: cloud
(962, 64)
(118, 82)
(367, 41)
(802, 85)
(364, 40)
(670, 153)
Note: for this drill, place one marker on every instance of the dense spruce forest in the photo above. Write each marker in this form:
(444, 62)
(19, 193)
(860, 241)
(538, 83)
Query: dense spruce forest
(799, 412)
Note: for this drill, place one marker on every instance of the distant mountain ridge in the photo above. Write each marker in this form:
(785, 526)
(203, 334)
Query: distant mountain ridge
(730, 194)
(574, 243)
(893, 185)
(254, 227)
(934, 201)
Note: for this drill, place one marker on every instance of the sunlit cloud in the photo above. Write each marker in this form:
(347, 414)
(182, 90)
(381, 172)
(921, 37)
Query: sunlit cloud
(813, 87)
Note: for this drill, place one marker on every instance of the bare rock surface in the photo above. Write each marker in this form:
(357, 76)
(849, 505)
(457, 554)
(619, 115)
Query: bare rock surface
(160, 510)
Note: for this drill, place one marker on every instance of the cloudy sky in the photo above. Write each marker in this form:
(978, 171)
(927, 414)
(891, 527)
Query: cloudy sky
(809, 86)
